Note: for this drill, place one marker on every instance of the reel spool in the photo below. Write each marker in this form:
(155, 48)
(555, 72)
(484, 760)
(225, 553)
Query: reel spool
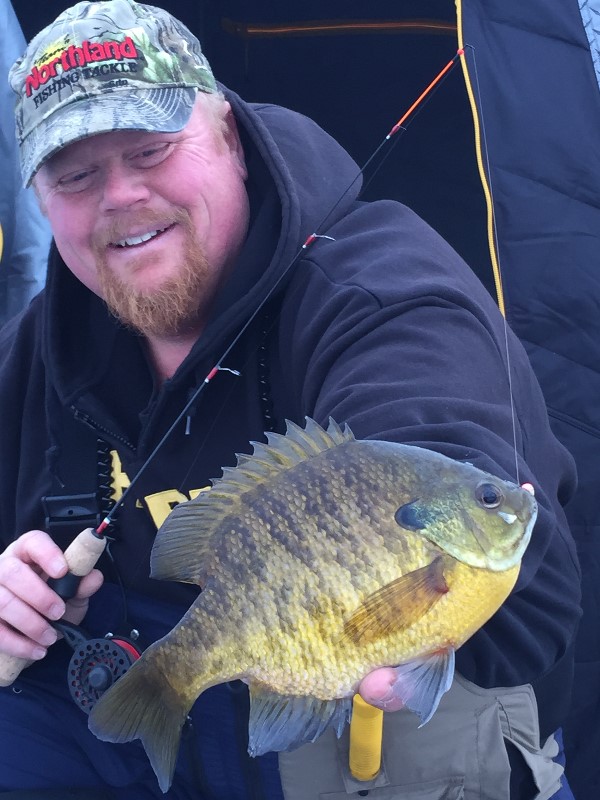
(95, 664)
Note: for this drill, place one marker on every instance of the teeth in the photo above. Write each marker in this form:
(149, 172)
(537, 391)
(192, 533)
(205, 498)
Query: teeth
(508, 518)
(139, 239)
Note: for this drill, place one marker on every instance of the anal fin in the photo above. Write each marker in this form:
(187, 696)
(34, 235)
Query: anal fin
(282, 723)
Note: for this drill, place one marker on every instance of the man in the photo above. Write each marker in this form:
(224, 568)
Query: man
(176, 212)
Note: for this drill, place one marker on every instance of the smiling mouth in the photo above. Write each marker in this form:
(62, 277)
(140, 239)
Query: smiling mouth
(135, 241)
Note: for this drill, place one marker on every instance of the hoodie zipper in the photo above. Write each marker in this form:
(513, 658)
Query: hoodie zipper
(81, 416)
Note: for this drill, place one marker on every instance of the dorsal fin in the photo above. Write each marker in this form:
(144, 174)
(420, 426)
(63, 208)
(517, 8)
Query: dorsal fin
(183, 543)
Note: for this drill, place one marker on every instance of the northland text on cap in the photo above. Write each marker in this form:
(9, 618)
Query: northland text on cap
(103, 66)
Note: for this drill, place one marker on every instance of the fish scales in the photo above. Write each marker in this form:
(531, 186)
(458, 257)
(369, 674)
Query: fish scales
(320, 560)
(301, 656)
(335, 522)
(340, 541)
(314, 612)
(322, 538)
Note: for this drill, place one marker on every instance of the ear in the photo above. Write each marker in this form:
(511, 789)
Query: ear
(233, 141)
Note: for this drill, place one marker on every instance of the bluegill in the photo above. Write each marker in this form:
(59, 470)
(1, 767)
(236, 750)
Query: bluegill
(321, 557)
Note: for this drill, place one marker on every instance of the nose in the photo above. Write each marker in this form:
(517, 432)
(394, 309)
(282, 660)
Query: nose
(123, 189)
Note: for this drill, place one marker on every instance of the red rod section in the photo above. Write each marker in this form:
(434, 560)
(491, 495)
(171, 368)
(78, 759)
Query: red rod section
(424, 94)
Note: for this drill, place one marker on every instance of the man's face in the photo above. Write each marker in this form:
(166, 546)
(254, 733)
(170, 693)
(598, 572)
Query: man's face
(151, 222)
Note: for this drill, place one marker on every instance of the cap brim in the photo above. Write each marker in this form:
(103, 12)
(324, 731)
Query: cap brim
(163, 109)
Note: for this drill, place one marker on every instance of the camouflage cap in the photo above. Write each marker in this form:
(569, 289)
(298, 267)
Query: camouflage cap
(103, 66)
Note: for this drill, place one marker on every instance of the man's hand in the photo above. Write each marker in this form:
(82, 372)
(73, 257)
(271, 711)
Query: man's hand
(27, 602)
(380, 688)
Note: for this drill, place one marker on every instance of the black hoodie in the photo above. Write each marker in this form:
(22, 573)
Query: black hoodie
(379, 325)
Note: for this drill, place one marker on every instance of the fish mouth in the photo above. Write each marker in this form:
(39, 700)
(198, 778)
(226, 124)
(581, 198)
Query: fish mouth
(527, 518)
(497, 550)
(508, 518)
(527, 532)
(135, 240)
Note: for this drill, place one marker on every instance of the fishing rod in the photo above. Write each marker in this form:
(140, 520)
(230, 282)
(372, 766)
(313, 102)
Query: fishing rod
(95, 674)
(310, 240)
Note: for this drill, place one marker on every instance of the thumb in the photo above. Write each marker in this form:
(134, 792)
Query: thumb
(381, 688)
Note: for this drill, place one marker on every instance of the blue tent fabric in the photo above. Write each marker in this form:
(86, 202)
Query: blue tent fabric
(538, 79)
(590, 14)
(25, 233)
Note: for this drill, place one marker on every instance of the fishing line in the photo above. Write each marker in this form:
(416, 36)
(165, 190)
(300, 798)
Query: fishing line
(495, 254)
(425, 98)
(413, 111)
(399, 128)
(303, 248)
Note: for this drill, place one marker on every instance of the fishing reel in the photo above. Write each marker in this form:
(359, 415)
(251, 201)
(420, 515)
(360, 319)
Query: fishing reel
(96, 664)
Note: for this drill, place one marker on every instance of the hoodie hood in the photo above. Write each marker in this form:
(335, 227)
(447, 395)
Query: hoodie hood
(301, 181)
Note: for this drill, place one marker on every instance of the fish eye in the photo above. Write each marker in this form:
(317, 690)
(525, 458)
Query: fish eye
(489, 495)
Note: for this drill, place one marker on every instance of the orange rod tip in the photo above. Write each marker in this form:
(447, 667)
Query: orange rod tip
(460, 52)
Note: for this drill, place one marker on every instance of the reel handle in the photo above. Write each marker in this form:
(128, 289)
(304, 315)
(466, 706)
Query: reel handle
(81, 556)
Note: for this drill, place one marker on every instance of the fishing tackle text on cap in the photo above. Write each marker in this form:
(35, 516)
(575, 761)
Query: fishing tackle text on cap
(104, 66)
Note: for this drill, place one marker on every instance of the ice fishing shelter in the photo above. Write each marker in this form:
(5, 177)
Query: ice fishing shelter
(518, 123)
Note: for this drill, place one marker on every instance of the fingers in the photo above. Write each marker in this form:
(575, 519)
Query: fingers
(24, 631)
(15, 645)
(37, 549)
(26, 601)
(25, 606)
(89, 585)
(381, 688)
(77, 606)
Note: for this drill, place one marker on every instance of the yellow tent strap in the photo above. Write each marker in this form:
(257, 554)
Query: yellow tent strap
(482, 173)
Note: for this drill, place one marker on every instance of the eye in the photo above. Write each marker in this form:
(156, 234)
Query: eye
(75, 181)
(489, 495)
(151, 155)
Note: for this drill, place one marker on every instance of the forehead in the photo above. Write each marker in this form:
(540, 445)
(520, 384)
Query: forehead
(93, 146)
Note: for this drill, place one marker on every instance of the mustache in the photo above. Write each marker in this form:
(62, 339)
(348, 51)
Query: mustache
(121, 227)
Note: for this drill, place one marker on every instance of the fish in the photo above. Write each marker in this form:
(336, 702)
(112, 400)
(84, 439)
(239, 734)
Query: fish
(320, 558)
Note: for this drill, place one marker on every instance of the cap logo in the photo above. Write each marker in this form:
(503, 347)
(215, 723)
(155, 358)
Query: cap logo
(73, 57)
(105, 66)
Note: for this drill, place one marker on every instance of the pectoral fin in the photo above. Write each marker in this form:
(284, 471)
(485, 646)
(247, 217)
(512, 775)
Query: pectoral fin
(279, 723)
(398, 604)
(420, 684)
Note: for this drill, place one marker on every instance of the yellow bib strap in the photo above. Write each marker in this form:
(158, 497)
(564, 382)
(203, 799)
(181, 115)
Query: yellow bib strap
(366, 733)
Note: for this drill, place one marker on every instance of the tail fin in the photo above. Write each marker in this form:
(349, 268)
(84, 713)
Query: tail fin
(143, 705)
